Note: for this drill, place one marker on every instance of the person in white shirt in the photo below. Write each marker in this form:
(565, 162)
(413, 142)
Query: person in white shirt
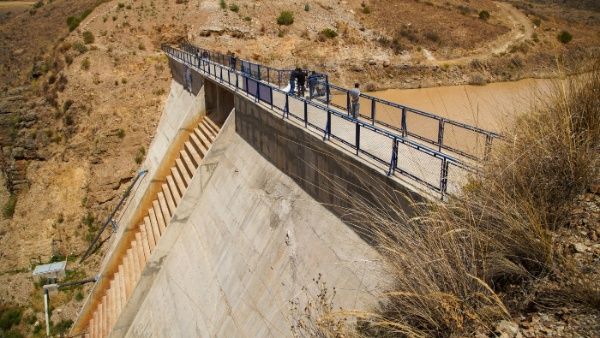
(355, 100)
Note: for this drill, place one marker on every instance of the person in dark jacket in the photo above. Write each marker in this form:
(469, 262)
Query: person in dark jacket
(301, 76)
(232, 61)
(293, 78)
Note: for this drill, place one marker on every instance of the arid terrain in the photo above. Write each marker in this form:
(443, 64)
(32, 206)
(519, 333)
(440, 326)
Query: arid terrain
(83, 84)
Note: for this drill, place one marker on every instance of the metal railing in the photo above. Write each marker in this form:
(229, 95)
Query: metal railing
(416, 161)
(469, 141)
(279, 77)
(110, 219)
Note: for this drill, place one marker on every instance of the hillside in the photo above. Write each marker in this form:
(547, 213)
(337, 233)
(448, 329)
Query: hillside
(82, 85)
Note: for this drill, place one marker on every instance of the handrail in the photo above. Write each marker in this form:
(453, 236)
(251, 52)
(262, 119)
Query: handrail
(109, 220)
(254, 87)
(439, 120)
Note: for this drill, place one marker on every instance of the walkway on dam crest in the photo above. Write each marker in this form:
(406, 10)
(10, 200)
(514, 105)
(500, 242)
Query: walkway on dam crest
(403, 152)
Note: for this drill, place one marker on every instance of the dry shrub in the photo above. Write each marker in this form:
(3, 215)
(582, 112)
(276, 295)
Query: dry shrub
(451, 263)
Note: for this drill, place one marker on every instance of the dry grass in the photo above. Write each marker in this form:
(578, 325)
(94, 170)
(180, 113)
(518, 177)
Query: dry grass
(454, 265)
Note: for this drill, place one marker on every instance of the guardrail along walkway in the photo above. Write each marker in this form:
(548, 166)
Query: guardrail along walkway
(398, 154)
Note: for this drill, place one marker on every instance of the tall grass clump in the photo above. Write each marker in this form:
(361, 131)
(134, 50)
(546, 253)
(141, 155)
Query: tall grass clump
(454, 267)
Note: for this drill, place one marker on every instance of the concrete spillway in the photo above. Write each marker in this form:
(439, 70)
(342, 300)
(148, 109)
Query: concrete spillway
(243, 244)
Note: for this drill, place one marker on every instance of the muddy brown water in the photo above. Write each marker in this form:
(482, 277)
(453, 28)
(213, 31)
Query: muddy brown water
(490, 107)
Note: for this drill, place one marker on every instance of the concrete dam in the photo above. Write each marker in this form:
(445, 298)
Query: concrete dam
(244, 207)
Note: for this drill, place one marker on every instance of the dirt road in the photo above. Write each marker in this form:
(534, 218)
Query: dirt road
(521, 28)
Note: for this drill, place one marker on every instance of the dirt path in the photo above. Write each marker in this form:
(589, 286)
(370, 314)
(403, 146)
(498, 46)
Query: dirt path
(521, 28)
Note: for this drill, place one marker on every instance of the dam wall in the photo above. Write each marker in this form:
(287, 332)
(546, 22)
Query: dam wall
(246, 243)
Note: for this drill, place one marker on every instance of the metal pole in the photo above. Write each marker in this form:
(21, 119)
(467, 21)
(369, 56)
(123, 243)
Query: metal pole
(305, 114)
(403, 126)
(357, 138)
(373, 112)
(440, 134)
(47, 314)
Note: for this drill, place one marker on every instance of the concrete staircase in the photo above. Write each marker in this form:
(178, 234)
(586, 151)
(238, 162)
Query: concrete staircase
(146, 236)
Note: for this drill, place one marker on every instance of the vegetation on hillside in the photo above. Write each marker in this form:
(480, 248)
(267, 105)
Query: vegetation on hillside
(459, 268)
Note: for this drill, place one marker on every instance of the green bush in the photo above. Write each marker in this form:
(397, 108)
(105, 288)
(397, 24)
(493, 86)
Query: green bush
(285, 18)
(565, 37)
(329, 33)
(85, 64)
(9, 207)
(38, 4)
(62, 327)
(80, 47)
(306, 7)
(484, 15)
(223, 4)
(139, 157)
(74, 21)
(366, 9)
(10, 317)
(234, 8)
(88, 37)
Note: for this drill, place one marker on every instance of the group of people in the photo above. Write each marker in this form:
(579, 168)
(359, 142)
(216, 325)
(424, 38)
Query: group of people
(298, 79)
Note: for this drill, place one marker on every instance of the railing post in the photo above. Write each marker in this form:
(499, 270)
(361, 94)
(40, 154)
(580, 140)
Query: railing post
(257, 91)
(441, 134)
(394, 160)
(348, 102)
(357, 137)
(488, 147)
(286, 108)
(327, 126)
(271, 91)
(305, 114)
(327, 93)
(403, 122)
(444, 178)
(373, 102)
(258, 72)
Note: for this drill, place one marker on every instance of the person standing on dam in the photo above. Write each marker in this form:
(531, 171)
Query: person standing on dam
(355, 100)
(312, 83)
(301, 76)
(232, 61)
(293, 78)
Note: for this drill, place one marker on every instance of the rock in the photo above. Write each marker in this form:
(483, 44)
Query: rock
(372, 62)
(507, 329)
(386, 63)
(18, 152)
(357, 68)
(579, 247)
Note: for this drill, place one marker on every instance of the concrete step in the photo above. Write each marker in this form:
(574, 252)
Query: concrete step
(148, 233)
(128, 275)
(174, 189)
(212, 124)
(122, 293)
(201, 145)
(184, 173)
(169, 198)
(204, 140)
(142, 258)
(145, 242)
(178, 182)
(155, 227)
(162, 225)
(164, 208)
(137, 260)
(187, 161)
(193, 153)
(207, 131)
